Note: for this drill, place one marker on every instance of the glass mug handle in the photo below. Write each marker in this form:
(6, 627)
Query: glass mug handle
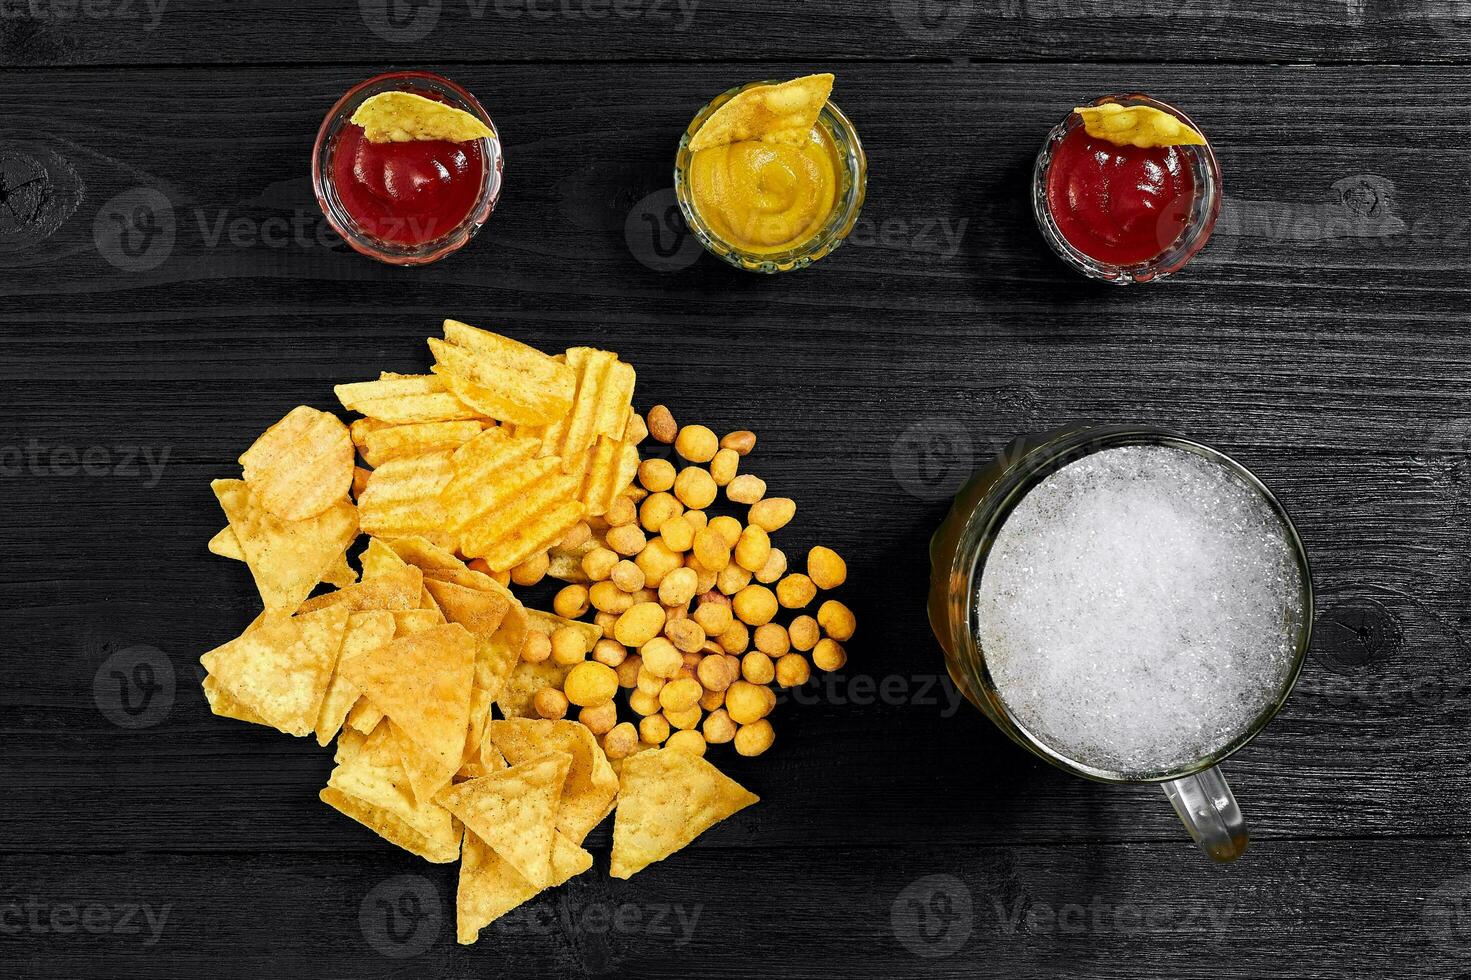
(1208, 810)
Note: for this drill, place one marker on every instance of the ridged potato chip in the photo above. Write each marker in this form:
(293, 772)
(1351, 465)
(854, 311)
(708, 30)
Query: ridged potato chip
(505, 506)
(403, 399)
(783, 113)
(667, 798)
(604, 472)
(281, 669)
(370, 786)
(399, 117)
(403, 499)
(286, 558)
(514, 811)
(1136, 125)
(600, 407)
(503, 378)
(489, 887)
(389, 442)
(301, 465)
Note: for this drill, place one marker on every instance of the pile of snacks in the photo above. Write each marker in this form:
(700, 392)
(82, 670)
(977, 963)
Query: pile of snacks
(502, 467)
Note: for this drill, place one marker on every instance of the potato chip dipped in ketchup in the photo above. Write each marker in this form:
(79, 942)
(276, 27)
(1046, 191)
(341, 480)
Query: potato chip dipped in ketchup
(1126, 190)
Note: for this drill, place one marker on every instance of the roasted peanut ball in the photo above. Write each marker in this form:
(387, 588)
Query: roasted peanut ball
(775, 567)
(598, 563)
(658, 508)
(711, 549)
(532, 570)
(599, 719)
(804, 632)
(772, 513)
(550, 703)
(678, 534)
(653, 729)
(609, 652)
(713, 614)
(622, 511)
(827, 568)
(829, 655)
(577, 536)
(660, 657)
(836, 620)
(746, 488)
(746, 702)
(627, 541)
(650, 683)
(742, 441)
(752, 549)
(627, 576)
(728, 527)
(657, 475)
(697, 518)
(607, 597)
(792, 670)
(732, 579)
(678, 587)
(620, 740)
(718, 728)
(680, 694)
(723, 467)
(643, 703)
(696, 443)
(755, 604)
(772, 639)
(571, 602)
(714, 673)
(629, 670)
(758, 668)
(695, 488)
(640, 624)
(687, 741)
(536, 648)
(687, 718)
(755, 738)
(795, 591)
(604, 620)
(711, 700)
(569, 646)
(736, 638)
(590, 684)
(686, 634)
(661, 424)
(656, 561)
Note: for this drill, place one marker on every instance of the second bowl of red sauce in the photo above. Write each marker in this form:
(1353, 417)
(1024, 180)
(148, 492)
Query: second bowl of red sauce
(1124, 214)
(405, 203)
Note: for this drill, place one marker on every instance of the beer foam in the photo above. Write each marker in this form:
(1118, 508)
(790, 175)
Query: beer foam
(1139, 609)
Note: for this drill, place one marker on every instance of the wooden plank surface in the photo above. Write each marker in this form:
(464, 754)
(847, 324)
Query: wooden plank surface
(1321, 338)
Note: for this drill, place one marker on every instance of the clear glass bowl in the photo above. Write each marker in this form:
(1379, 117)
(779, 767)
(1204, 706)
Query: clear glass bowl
(342, 222)
(1204, 210)
(852, 186)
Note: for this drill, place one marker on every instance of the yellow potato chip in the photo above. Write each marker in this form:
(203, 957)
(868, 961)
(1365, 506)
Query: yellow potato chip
(359, 481)
(479, 612)
(226, 545)
(379, 559)
(489, 887)
(601, 406)
(281, 669)
(223, 703)
(422, 683)
(667, 798)
(407, 621)
(591, 785)
(427, 773)
(399, 441)
(505, 379)
(399, 117)
(604, 472)
(486, 760)
(370, 786)
(505, 506)
(301, 465)
(402, 498)
(1136, 125)
(514, 811)
(365, 631)
(440, 565)
(785, 112)
(397, 589)
(402, 399)
(364, 717)
(286, 558)
(360, 428)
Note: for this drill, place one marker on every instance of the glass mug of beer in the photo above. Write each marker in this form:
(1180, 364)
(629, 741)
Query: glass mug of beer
(1128, 604)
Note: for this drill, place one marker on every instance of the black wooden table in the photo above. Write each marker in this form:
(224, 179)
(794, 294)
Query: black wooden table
(1322, 338)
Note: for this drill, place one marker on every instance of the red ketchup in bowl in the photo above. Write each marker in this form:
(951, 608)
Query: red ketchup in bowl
(406, 193)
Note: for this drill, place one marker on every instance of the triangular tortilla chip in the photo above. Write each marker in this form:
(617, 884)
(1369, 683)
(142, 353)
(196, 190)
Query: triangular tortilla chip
(398, 117)
(281, 669)
(408, 621)
(364, 716)
(223, 703)
(226, 545)
(422, 682)
(396, 589)
(784, 112)
(1137, 125)
(667, 798)
(365, 631)
(286, 558)
(513, 811)
(378, 559)
(427, 773)
(591, 783)
(369, 786)
(486, 760)
(490, 887)
(478, 611)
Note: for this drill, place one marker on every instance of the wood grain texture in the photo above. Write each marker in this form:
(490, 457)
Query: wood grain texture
(1321, 338)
